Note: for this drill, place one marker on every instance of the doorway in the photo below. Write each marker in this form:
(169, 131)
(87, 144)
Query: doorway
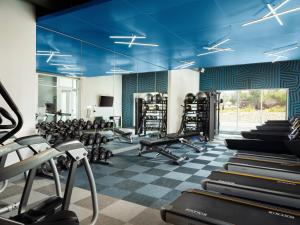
(243, 110)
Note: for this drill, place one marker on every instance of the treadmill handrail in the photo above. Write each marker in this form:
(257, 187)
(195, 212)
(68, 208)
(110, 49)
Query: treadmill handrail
(15, 109)
(27, 164)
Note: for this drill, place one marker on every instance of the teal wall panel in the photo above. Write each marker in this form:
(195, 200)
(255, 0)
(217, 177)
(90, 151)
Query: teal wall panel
(256, 76)
(142, 82)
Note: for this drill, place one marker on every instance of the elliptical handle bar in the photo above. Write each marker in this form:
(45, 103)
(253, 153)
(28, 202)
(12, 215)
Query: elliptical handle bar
(6, 115)
(16, 111)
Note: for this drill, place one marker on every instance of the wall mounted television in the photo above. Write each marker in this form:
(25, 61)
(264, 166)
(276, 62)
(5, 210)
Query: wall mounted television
(106, 101)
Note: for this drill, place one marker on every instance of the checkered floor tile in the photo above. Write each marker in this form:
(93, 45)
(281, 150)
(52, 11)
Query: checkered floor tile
(153, 182)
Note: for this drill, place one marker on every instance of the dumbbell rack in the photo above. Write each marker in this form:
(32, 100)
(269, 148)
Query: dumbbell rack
(154, 119)
(196, 117)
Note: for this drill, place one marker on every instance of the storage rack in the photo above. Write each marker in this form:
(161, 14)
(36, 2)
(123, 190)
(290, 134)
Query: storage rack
(196, 117)
(202, 117)
(154, 119)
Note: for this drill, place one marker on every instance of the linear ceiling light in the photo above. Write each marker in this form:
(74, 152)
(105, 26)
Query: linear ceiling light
(127, 37)
(218, 44)
(69, 68)
(215, 48)
(185, 65)
(277, 7)
(50, 57)
(219, 50)
(118, 71)
(273, 14)
(132, 41)
(64, 65)
(278, 54)
(135, 43)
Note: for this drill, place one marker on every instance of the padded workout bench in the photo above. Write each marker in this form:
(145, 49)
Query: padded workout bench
(161, 146)
(122, 135)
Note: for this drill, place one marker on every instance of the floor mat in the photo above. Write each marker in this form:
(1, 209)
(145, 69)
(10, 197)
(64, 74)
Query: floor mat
(152, 181)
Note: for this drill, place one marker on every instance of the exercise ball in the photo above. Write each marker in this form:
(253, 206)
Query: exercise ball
(201, 96)
(157, 98)
(148, 98)
(189, 98)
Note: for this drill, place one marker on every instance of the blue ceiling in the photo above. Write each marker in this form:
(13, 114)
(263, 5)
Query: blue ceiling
(181, 28)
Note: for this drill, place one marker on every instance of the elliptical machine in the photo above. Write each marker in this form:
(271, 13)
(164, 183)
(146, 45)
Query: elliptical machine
(55, 209)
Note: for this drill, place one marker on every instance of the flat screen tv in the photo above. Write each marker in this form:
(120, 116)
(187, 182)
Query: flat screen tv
(106, 101)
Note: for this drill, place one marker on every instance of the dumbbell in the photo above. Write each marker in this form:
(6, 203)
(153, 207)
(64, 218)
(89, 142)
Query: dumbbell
(75, 121)
(109, 154)
(60, 123)
(188, 108)
(84, 139)
(89, 125)
(102, 124)
(91, 139)
(64, 162)
(95, 124)
(104, 140)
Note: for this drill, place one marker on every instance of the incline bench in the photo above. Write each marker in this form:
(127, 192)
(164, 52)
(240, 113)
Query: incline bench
(160, 146)
(122, 135)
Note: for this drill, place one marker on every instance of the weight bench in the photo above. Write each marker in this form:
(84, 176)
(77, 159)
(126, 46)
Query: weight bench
(161, 146)
(120, 134)
(184, 139)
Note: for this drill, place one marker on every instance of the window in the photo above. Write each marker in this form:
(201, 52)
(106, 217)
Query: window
(245, 109)
(57, 94)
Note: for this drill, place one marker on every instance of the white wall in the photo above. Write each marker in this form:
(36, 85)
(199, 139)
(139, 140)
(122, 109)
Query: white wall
(180, 82)
(92, 88)
(17, 57)
(17, 60)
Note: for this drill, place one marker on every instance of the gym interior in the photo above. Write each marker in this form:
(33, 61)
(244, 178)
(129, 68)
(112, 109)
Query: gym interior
(136, 112)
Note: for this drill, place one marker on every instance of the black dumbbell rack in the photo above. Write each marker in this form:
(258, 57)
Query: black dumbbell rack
(202, 116)
(154, 119)
(196, 117)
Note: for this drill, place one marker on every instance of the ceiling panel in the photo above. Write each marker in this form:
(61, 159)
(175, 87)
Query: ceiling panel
(181, 28)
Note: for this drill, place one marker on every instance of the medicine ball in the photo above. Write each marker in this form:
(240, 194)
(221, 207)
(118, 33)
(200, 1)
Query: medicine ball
(148, 98)
(189, 98)
(157, 98)
(201, 97)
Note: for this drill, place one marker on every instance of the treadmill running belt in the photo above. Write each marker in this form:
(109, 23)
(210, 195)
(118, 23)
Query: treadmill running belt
(288, 166)
(196, 207)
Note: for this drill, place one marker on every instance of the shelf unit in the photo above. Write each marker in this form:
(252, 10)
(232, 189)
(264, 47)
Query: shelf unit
(154, 117)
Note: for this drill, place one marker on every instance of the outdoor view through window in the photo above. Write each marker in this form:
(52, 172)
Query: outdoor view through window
(245, 109)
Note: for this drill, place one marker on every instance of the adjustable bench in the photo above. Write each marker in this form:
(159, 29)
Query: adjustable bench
(161, 146)
(120, 134)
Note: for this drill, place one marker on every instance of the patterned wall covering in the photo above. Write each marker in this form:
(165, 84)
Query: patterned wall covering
(142, 82)
(256, 76)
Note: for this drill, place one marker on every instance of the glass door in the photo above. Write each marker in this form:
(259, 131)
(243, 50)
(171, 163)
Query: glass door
(274, 104)
(229, 111)
(245, 109)
(249, 110)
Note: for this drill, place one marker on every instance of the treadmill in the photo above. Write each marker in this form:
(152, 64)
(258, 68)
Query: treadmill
(270, 190)
(197, 207)
(275, 168)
